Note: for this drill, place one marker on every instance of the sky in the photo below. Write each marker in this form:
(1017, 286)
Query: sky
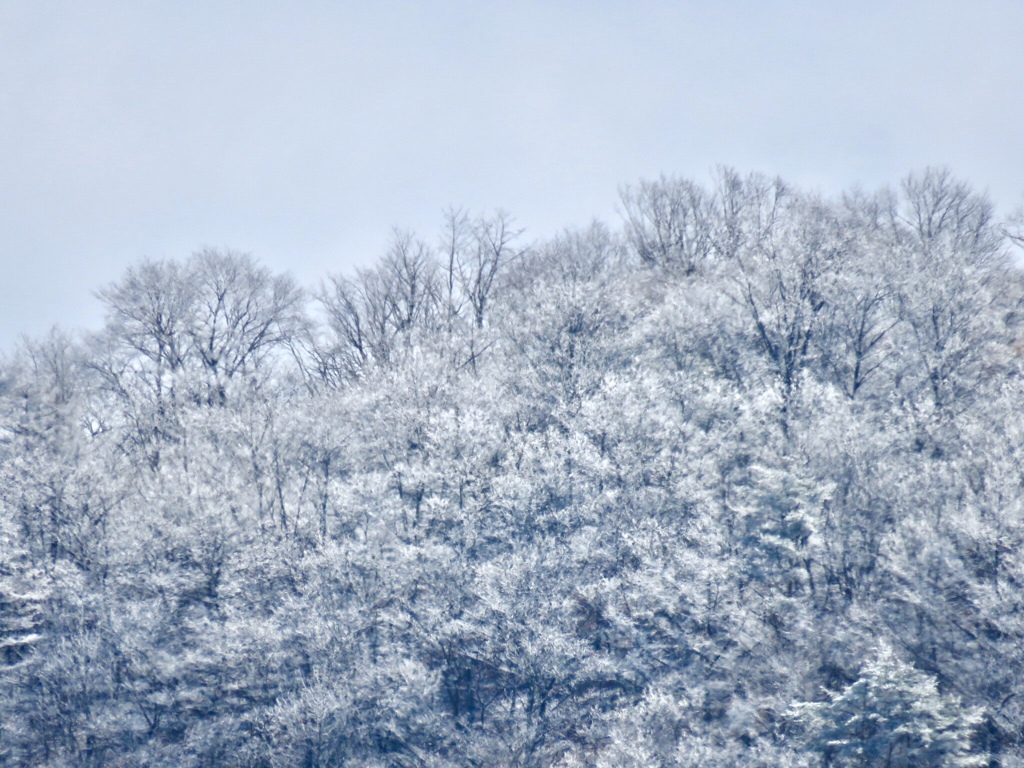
(304, 132)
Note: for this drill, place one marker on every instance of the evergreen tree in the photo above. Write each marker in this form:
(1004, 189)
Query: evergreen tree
(893, 716)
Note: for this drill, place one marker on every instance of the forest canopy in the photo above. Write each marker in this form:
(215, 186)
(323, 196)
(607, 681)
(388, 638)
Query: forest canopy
(734, 481)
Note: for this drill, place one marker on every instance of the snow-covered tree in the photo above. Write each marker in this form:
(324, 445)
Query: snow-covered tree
(892, 715)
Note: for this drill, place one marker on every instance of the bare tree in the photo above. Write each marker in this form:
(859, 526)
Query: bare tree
(668, 223)
(481, 250)
(942, 212)
(454, 241)
(149, 311)
(409, 274)
(782, 250)
(367, 313)
(953, 267)
(241, 312)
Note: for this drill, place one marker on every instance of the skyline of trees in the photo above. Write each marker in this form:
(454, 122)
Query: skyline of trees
(680, 493)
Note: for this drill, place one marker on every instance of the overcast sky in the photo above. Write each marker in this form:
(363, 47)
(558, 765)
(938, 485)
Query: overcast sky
(302, 132)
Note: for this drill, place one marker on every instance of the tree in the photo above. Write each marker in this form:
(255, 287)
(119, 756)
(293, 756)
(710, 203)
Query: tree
(668, 224)
(240, 314)
(892, 716)
(367, 314)
(478, 252)
(781, 274)
(952, 266)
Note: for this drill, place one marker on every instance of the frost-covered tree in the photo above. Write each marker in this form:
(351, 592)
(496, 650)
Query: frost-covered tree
(892, 715)
(618, 498)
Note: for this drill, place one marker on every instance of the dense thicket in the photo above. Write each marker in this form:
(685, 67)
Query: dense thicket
(737, 484)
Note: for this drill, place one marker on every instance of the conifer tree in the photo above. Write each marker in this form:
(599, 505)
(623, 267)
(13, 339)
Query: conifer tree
(893, 716)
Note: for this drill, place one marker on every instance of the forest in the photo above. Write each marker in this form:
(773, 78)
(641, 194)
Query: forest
(735, 480)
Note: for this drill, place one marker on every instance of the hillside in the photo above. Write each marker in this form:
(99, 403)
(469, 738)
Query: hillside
(736, 481)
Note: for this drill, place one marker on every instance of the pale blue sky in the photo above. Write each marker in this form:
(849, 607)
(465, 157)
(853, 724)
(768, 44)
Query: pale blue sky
(303, 131)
